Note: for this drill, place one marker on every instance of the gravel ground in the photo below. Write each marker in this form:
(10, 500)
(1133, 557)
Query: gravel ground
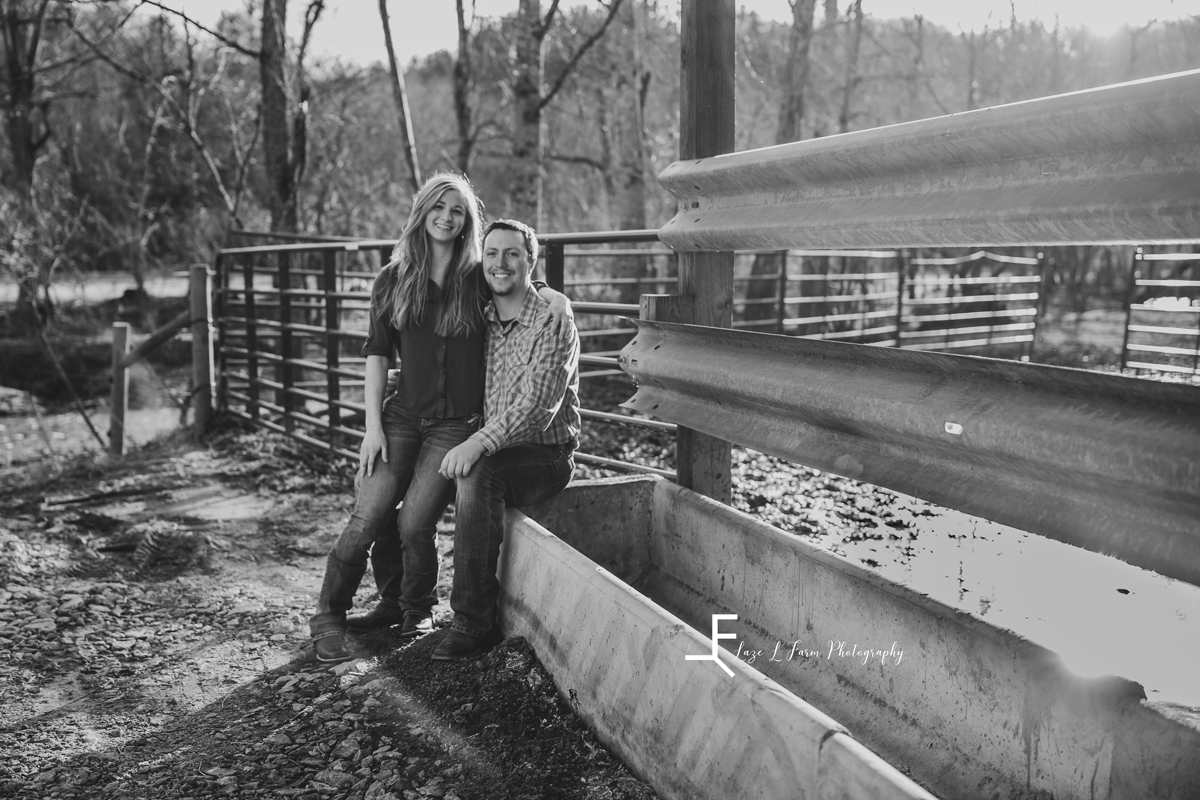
(153, 644)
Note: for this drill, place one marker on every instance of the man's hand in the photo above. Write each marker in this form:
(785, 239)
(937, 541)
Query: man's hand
(458, 462)
(374, 443)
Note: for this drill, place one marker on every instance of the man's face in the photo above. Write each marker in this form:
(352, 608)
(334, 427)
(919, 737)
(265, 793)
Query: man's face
(506, 265)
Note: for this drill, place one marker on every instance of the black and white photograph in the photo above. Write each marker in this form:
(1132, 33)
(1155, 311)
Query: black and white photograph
(600, 399)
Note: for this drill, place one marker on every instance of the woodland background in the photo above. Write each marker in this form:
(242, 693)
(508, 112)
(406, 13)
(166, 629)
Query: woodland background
(135, 139)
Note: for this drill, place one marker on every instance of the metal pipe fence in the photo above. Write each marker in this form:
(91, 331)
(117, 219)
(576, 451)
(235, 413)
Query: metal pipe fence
(1162, 319)
(293, 316)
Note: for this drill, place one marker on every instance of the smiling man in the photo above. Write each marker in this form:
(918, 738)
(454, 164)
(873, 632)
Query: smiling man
(524, 452)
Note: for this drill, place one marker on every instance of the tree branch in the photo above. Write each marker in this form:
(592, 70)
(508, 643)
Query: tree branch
(591, 40)
(573, 159)
(547, 21)
(311, 15)
(31, 54)
(182, 114)
(226, 41)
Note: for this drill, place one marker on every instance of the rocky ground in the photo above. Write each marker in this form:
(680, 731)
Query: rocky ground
(153, 644)
(153, 639)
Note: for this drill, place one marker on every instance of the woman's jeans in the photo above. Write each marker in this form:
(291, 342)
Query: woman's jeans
(416, 448)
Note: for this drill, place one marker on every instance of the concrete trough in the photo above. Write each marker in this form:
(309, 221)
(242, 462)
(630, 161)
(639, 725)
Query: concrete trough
(832, 665)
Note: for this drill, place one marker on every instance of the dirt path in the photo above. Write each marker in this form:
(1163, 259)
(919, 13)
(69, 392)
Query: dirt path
(153, 643)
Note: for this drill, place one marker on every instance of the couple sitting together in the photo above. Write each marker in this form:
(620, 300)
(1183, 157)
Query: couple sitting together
(485, 413)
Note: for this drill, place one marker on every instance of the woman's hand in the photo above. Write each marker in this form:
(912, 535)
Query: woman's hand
(374, 444)
(562, 316)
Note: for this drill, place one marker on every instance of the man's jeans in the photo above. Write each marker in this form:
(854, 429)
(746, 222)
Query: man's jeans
(416, 448)
(520, 475)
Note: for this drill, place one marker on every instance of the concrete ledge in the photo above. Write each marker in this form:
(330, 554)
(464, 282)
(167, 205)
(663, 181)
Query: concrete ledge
(972, 710)
(686, 727)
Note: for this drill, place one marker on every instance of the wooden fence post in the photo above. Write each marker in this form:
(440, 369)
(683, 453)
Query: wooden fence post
(202, 347)
(286, 373)
(118, 402)
(706, 116)
(901, 278)
(1130, 294)
(555, 266)
(668, 308)
(781, 309)
(333, 346)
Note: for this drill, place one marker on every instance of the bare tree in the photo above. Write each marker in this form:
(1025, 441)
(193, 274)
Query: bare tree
(532, 27)
(22, 25)
(33, 241)
(407, 141)
(795, 71)
(463, 75)
(624, 136)
(183, 92)
(791, 117)
(284, 111)
(852, 76)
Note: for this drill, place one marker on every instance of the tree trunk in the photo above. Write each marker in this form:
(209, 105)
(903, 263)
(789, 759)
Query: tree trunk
(918, 63)
(795, 72)
(791, 116)
(462, 93)
(526, 193)
(851, 66)
(408, 142)
(21, 27)
(277, 132)
(628, 131)
(972, 61)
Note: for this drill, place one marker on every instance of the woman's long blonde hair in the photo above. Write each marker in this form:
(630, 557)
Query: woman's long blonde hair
(403, 292)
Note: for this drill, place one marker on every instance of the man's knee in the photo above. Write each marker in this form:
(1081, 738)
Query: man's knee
(474, 486)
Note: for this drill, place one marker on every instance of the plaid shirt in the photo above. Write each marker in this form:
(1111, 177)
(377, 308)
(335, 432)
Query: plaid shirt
(532, 390)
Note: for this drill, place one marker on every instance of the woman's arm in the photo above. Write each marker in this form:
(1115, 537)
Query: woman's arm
(561, 313)
(374, 442)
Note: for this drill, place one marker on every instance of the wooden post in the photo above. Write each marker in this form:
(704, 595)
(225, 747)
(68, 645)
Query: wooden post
(251, 336)
(119, 398)
(706, 118)
(666, 307)
(781, 308)
(202, 348)
(1130, 294)
(901, 278)
(333, 347)
(286, 374)
(555, 266)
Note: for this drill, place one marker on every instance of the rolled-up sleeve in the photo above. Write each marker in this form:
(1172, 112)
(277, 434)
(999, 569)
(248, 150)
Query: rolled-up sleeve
(380, 340)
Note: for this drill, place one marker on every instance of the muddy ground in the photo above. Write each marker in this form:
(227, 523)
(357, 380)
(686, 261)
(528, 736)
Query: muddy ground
(153, 643)
(152, 617)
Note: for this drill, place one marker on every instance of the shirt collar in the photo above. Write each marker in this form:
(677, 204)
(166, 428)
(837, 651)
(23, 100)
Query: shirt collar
(531, 309)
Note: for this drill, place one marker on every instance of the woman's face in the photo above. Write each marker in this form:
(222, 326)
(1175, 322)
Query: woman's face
(446, 219)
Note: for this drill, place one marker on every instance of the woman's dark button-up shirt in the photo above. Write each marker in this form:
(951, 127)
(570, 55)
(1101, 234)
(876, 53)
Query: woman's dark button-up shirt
(441, 377)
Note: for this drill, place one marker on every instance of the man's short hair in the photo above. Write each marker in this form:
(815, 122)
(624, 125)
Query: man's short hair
(527, 233)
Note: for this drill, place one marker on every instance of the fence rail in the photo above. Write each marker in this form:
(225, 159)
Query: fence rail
(293, 316)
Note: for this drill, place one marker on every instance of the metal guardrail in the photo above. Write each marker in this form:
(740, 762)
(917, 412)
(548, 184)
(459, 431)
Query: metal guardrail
(1162, 318)
(1118, 164)
(1101, 461)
